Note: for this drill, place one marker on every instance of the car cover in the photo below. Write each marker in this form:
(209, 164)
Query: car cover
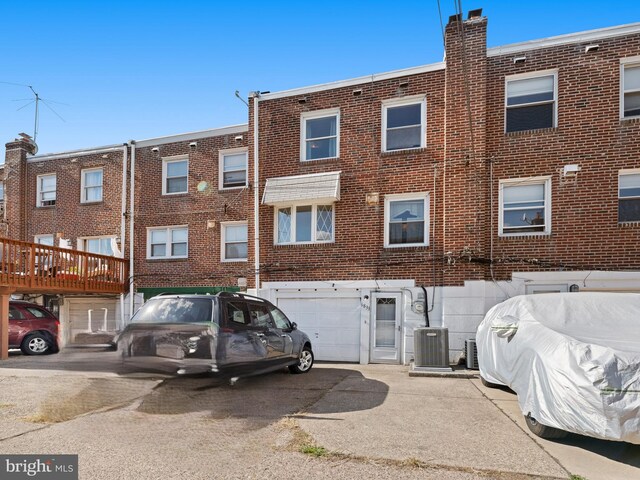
(572, 358)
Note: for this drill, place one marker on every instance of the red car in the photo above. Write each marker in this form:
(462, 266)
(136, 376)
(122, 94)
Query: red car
(32, 328)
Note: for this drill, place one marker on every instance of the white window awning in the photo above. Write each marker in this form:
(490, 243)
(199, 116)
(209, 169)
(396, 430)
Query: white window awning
(316, 188)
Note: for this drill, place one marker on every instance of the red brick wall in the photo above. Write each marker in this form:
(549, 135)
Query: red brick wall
(152, 209)
(585, 233)
(358, 251)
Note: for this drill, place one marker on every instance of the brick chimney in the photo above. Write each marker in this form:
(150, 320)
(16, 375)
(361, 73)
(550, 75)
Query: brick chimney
(465, 172)
(14, 174)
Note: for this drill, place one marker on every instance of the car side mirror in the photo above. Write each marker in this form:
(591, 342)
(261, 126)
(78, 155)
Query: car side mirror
(294, 326)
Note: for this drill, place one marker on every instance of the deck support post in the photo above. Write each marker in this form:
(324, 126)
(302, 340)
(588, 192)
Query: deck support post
(5, 295)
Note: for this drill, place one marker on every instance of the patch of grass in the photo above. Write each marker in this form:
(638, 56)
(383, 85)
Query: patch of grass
(7, 405)
(577, 477)
(314, 450)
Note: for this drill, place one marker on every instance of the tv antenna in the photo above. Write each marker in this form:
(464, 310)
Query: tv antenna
(36, 99)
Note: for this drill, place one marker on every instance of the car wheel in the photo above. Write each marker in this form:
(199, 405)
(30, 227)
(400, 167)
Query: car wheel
(305, 361)
(489, 384)
(542, 430)
(35, 344)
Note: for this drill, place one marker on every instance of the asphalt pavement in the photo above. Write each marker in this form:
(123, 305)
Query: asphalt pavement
(337, 421)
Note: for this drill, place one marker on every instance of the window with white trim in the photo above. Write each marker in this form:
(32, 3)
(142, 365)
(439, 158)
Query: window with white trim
(98, 245)
(403, 123)
(91, 185)
(44, 240)
(531, 101)
(320, 134)
(175, 171)
(304, 224)
(630, 101)
(525, 206)
(629, 196)
(406, 220)
(167, 242)
(46, 190)
(234, 237)
(233, 168)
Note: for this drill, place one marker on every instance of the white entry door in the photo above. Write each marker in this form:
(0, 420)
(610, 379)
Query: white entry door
(386, 332)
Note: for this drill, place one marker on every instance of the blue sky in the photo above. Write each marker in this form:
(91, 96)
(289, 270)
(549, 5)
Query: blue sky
(135, 70)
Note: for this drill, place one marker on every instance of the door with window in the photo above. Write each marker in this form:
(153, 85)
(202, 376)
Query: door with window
(386, 327)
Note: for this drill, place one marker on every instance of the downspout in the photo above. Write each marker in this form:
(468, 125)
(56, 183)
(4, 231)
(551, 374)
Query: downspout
(123, 223)
(132, 191)
(256, 191)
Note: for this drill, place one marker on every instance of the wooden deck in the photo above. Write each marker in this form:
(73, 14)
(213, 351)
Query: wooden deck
(34, 268)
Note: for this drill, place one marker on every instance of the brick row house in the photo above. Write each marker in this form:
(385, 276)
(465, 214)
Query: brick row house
(368, 207)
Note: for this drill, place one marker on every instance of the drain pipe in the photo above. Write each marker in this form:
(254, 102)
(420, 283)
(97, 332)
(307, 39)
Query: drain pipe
(256, 190)
(132, 191)
(426, 306)
(123, 223)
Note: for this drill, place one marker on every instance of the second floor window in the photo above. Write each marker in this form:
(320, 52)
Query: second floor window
(531, 102)
(320, 134)
(175, 173)
(630, 90)
(167, 242)
(46, 190)
(233, 168)
(91, 185)
(629, 196)
(1, 191)
(403, 123)
(304, 224)
(44, 240)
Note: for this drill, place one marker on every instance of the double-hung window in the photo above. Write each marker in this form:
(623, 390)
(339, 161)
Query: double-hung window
(91, 185)
(175, 171)
(233, 168)
(525, 206)
(44, 240)
(98, 245)
(304, 224)
(531, 101)
(406, 220)
(46, 190)
(404, 123)
(630, 88)
(320, 134)
(167, 242)
(629, 196)
(234, 241)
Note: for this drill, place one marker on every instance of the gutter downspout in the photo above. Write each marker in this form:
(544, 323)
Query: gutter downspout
(132, 191)
(123, 223)
(256, 190)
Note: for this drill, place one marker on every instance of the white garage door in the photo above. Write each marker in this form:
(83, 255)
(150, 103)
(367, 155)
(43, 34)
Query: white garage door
(333, 325)
(91, 318)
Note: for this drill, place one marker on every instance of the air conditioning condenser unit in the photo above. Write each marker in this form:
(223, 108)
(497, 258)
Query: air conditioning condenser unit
(431, 348)
(471, 352)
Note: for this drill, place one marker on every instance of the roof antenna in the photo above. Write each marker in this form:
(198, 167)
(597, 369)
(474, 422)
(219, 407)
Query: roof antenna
(241, 99)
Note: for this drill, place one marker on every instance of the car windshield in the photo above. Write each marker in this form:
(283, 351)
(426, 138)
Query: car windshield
(174, 310)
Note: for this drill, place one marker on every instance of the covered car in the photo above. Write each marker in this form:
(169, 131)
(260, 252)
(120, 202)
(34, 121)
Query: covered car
(573, 359)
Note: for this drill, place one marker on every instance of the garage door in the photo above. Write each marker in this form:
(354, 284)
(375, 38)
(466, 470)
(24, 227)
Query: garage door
(91, 320)
(333, 325)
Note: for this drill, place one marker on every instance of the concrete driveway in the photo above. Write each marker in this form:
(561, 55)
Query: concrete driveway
(338, 421)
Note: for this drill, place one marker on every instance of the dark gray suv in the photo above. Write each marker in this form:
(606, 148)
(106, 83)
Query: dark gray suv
(227, 333)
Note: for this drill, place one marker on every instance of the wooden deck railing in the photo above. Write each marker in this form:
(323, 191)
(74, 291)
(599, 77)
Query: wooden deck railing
(32, 267)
